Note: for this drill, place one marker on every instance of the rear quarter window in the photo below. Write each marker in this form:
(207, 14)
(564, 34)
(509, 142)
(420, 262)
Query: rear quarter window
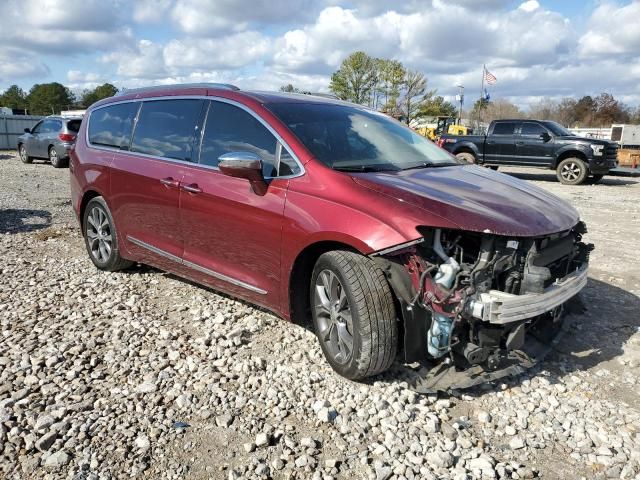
(110, 126)
(504, 128)
(74, 125)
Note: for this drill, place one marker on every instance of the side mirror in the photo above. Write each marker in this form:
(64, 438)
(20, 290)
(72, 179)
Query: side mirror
(545, 136)
(27, 130)
(244, 165)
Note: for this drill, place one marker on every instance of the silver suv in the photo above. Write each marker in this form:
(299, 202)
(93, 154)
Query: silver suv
(52, 138)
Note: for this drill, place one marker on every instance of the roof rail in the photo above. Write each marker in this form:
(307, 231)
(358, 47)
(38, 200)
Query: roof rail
(160, 88)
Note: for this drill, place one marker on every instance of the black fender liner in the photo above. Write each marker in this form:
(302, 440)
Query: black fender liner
(416, 320)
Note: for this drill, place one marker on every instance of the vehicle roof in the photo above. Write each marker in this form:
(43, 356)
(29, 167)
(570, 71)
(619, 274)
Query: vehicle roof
(59, 117)
(222, 90)
(285, 97)
(521, 120)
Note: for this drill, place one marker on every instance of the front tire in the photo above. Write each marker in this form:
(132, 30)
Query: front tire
(55, 159)
(100, 237)
(572, 171)
(353, 314)
(22, 151)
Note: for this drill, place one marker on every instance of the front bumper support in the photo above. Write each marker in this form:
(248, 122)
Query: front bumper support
(501, 308)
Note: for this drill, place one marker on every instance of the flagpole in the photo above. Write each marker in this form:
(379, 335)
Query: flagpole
(484, 67)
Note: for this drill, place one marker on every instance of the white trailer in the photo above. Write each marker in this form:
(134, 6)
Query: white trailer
(626, 135)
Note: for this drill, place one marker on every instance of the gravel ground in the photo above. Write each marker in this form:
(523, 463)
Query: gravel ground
(142, 374)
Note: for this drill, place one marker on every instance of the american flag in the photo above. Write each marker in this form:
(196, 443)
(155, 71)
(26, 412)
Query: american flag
(489, 77)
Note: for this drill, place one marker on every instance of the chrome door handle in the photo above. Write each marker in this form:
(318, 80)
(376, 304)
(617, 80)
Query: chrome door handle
(192, 188)
(170, 182)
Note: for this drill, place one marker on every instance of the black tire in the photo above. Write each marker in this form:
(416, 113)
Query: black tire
(572, 171)
(97, 224)
(493, 167)
(22, 152)
(55, 159)
(467, 157)
(369, 313)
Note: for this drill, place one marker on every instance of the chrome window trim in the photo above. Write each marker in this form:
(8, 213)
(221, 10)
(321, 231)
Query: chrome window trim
(197, 164)
(195, 266)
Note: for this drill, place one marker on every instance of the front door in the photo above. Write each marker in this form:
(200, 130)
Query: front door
(232, 236)
(532, 148)
(145, 181)
(32, 144)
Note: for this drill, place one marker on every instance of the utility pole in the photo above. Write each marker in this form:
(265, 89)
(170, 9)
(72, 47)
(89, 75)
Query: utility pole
(460, 98)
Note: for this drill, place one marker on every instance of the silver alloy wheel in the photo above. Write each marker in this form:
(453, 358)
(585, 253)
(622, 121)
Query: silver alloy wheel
(23, 153)
(53, 156)
(570, 171)
(98, 232)
(333, 316)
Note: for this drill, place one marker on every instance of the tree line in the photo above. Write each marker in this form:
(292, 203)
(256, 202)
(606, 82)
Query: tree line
(586, 112)
(52, 98)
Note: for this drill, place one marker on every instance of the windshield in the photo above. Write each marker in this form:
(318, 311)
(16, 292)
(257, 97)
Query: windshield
(558, 129)
(353, 138)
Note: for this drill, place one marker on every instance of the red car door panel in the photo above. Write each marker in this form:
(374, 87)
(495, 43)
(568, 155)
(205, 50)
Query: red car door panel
(145, 206)
(230, 233)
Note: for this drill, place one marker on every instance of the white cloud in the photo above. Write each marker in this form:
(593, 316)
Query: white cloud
(529, 6)
(215, 18)
(613, 30)
(233, 51)
(84, 15)
(16, 64)
(151, 11)
(145, 61)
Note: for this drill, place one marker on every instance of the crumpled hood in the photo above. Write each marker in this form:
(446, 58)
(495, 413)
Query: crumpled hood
(477, 199)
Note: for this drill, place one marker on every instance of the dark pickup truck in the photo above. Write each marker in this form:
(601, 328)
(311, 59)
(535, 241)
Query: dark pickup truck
(536, 143)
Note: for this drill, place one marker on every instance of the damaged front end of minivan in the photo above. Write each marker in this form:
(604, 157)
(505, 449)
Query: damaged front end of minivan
(481, 306)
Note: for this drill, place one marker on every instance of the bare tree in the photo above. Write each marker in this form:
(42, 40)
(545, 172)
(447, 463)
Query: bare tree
(415, 85)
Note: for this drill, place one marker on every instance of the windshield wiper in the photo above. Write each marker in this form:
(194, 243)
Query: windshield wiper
(360, 168)
(431, 165)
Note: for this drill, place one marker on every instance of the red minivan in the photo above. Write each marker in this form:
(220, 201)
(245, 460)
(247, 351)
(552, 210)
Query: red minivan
(321, 209)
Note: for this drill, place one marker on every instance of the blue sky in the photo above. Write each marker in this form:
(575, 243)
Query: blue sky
(536, 48)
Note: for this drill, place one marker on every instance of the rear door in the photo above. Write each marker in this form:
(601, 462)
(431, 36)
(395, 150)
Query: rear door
(145, 180)
(232, 236)
(500, 144)
(531, 147)
(50, 135)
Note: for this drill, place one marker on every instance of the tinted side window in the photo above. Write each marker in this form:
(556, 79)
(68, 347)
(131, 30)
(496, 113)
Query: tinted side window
(532, 129)
(74, 125)
(50, 126)
(111, 126)
(166, 128)
(288, 166)
(231, 129)
(504, 128)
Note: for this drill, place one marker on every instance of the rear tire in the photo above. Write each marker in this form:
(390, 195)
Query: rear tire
(55, 159)
(467, 157)
(22, 151)
(572, 171)
(101, 238)
(353, 314)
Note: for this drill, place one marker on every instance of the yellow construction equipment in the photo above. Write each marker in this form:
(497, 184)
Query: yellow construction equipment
(444, 124)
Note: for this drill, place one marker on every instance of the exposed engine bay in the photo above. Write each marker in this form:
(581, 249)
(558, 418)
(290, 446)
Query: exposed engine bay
(472, 299)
